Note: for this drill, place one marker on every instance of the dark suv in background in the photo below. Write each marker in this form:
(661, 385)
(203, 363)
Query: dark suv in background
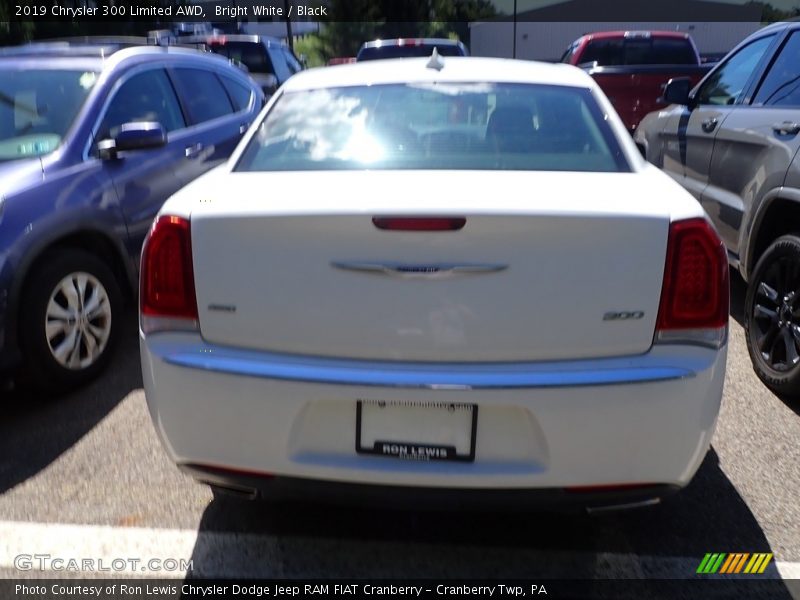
(93, 139)
(269, 61)
(410, 47)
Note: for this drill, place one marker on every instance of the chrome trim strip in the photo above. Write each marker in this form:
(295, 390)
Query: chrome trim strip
(444, 376)
(418, 270)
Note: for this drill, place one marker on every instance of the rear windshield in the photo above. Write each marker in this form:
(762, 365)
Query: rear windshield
(37, 107)
(639, 51)
(252, 55)
(435, 126)
(408, 51)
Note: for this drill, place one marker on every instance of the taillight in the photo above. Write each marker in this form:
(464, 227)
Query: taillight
(419, 223)
(167, 296)
(695, 293)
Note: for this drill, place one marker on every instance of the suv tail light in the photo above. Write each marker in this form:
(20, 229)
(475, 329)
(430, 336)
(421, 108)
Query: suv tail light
(695, 293)
(167, 298)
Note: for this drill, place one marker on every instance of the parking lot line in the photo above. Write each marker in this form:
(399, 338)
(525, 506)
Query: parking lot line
(28, 549)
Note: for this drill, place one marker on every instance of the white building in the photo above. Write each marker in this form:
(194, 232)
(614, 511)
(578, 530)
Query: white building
(545, 33)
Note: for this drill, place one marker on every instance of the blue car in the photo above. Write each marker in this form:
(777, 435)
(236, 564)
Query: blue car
(93, 139)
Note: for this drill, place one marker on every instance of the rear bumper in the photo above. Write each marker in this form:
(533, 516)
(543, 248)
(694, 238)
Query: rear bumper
(252, 486)
(452, 376)
(542, 426)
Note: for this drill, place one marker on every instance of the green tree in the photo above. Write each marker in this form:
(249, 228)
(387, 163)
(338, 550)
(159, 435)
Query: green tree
(349, 23)
(453, 16)
(13, 32)
(309, 46)
(770, 14)
(343, 38)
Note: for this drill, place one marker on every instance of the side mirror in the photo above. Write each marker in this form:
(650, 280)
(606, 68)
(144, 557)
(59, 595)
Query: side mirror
(677, 91)
(137, 135)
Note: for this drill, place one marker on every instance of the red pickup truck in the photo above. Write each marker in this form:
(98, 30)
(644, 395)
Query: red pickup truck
(632, 67)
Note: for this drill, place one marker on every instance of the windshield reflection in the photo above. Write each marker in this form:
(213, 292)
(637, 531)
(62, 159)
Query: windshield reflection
(37, 108)
(435, 126)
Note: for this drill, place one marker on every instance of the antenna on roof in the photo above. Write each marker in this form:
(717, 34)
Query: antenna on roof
(436, 61)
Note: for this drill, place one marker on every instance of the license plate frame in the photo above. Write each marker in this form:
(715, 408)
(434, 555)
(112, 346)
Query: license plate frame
(423, 451)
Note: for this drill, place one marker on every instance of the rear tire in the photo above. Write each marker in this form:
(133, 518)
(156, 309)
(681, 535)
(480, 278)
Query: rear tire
(69, 320)
(772, 317)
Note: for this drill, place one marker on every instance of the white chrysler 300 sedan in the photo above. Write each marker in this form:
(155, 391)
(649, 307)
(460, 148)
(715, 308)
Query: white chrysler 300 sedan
(454, 277)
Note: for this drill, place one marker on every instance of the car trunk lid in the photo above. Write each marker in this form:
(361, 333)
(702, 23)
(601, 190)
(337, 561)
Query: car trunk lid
(538, 270)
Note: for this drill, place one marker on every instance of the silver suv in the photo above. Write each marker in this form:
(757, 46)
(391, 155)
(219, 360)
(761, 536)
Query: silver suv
(732, 141)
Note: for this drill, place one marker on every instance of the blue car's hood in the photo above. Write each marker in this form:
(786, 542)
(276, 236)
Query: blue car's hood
(19, 174)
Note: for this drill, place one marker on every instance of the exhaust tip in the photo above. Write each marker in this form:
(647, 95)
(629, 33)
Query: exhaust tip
(233, 491)
(624, 506)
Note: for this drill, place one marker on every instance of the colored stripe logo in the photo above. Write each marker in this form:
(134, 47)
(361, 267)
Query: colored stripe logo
(734, 563)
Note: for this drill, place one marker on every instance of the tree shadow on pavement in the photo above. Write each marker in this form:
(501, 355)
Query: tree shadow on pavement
(238, 538)
(35, 429)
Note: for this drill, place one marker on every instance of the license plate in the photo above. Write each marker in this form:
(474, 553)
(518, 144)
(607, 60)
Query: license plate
(422, 431)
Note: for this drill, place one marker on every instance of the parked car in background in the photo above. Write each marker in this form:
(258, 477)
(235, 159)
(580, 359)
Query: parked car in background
(410, 47)
(341, 60)
(562, 340)
(733, 141)
(269, 61)
(93, 139)
(632, 67)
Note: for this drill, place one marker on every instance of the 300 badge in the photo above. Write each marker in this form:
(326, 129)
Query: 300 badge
(623, 315)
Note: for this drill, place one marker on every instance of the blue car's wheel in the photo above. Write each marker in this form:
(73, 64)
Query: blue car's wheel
(68, 319)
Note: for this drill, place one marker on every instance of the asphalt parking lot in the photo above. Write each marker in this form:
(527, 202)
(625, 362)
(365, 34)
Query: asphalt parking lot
(86, 474)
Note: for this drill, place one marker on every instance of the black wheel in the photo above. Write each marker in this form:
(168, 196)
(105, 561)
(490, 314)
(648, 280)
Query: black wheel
(772, 316)
(68, 320)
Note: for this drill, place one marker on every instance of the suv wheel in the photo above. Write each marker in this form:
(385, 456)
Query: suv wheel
(772, 316)
(68, 320)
